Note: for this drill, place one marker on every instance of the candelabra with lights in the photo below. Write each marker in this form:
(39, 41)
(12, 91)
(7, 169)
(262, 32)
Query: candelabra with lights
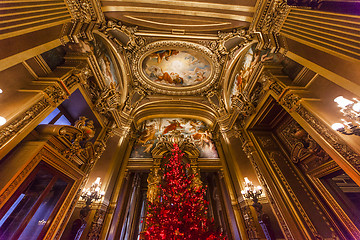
(93, 193)
(250, 192)
(351, 112)
(253, 193)
(88, 195)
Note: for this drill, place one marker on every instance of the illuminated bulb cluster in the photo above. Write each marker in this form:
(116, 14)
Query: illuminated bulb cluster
(93, 193)
(180, 212)
(351, 112)
(250, 191)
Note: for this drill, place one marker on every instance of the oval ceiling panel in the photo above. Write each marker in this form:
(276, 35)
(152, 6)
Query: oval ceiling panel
(175, 67)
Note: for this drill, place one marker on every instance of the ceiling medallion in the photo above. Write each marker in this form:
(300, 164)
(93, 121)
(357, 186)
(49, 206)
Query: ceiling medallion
(175, 67)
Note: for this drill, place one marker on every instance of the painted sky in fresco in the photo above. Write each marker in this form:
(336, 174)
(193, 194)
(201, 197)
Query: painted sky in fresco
(176, 67)
(195, 129)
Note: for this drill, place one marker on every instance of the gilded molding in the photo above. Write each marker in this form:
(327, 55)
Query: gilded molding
(270, 17)
(275, 156)
(248, 150)
(139, 77)
(81, 10)
(337, 209)
(251, 229)
(21, 177)
(275, 17)
(22, 120)
(61, 213)
(134, 42)
(108, 101)
(275, 86)
(218, 46)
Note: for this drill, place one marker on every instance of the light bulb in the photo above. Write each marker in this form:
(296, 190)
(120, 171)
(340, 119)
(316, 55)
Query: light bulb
(259, 188)
(2, 121)
(342, 102)
(356, 107)
(337, 126)
(1, 91)
(97, 181)
(246, 180)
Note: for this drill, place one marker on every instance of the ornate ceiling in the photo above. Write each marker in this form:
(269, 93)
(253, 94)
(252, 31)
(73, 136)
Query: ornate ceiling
(181, 16)
(158, 59)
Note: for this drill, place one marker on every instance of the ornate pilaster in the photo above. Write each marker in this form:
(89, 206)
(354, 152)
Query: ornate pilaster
(96, 224)
(250, 151)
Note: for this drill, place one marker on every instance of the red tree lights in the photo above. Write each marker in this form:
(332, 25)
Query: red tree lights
(180, 212)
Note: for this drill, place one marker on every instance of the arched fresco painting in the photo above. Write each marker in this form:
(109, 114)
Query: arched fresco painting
(197, 130)
(247, 66)
(103, 57)
(176, 67)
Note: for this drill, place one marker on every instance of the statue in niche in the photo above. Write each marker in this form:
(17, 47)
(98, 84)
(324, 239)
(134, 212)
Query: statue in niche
(153, 185)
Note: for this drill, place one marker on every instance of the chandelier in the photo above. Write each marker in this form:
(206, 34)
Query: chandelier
(250, 191)
(93, 193)
(351, 112)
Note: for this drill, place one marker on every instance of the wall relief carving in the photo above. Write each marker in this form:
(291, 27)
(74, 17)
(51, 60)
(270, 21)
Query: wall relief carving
(335, 141)
(22, 120)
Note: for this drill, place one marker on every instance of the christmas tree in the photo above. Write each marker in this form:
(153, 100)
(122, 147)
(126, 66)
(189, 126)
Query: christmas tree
(180, 211)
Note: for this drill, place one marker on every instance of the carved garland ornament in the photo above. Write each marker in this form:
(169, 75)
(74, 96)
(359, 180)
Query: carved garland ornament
(81, 10)
(15, 126)
(140, 77)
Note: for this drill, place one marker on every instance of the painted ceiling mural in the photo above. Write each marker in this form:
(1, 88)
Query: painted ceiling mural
(105, 62)
(176, 67)
(103, 58)
(251, 59)
(197, 130)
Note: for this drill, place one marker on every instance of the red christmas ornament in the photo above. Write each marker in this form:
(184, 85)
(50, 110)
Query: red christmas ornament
(180, 212)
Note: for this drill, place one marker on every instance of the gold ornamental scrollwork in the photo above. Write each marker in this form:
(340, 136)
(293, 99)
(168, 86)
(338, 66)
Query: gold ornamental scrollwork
(20, 122)
(134, 42)
(140, 77)
(291, 101)
(219, 46)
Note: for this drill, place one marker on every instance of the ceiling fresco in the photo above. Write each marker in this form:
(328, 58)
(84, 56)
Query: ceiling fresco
(173, 67)
(103, 57)
(197, 130)
(250, 61)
